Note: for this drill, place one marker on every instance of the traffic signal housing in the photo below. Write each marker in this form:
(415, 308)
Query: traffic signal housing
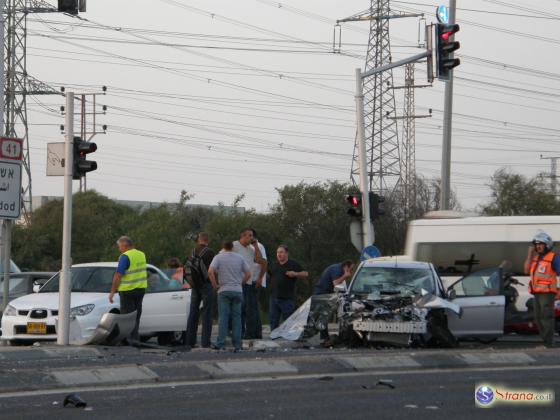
(355, 205)
(81, 165)
(444, 50)
(376, 205)
(69, 6)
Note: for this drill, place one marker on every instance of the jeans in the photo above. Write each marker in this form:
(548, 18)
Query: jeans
(544, 316)
(229, 306)
(251, 317)
(131, 300)
(280, 308)
(204, 294)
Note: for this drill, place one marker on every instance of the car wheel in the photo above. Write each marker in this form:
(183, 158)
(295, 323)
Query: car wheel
(170, 338)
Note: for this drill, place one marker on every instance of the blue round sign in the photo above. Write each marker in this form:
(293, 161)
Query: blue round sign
(442, 14)
(370, 252)
(484, 395)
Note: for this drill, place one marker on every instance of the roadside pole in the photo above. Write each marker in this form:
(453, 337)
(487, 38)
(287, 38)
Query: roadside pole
(367, 231)
(63, 333)
(6, 224)
(445, 193)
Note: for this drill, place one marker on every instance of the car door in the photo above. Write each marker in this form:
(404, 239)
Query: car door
(165, 305)
(481, 298)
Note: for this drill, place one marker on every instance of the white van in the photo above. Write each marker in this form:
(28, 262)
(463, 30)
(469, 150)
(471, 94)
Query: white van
(458, 245)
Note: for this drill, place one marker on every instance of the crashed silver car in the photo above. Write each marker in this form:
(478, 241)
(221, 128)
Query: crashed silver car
(401, 302)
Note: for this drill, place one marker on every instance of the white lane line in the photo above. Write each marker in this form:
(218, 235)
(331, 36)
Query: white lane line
(227, 381)
(496, 358)
(372, 362)
(252, 367)
(103, 375)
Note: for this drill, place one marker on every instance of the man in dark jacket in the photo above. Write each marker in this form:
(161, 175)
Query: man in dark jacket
(202, 291)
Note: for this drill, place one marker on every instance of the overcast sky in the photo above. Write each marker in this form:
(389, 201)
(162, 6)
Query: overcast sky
(222, 97)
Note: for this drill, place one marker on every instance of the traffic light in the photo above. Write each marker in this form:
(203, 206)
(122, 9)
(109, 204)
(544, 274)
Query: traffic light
(355, 203)
(376, 205)
(81, 164)
(445, 48)
(69, 6)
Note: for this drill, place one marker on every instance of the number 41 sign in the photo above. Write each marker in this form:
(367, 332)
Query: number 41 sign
(11, 151)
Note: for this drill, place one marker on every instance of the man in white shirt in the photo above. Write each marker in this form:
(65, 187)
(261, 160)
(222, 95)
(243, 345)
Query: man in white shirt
(248, 247)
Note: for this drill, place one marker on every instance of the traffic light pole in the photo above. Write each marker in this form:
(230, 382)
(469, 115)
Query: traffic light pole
(367, 231)
(65, 284)
(445, 193)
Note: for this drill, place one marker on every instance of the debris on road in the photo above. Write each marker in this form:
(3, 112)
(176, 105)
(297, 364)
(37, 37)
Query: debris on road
(74, 400)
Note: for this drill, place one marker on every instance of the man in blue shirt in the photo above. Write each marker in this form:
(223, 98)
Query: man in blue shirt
(332, 276)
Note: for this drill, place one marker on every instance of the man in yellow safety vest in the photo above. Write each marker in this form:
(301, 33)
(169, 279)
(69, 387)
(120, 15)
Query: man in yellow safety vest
(130, 280)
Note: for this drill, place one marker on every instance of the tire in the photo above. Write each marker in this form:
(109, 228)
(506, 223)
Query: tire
(170, 338)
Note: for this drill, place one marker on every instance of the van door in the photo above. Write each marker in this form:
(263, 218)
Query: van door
(480, 296)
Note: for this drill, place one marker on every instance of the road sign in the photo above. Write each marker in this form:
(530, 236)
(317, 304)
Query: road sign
(442, 14)
(55, 159)
(370, 252)
(10, 189)
(356, 234)
(11, 149)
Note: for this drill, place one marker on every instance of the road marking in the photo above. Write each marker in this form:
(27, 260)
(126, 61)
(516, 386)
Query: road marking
(373, 362)
(496, 358)
(228, 381)
(103, 375)
(256, 367)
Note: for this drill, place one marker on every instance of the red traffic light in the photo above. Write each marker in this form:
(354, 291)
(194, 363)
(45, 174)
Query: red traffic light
(448, 31)
(353, 200)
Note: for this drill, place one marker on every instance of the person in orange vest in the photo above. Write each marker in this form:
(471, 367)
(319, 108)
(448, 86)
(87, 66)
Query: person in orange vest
(543, 265)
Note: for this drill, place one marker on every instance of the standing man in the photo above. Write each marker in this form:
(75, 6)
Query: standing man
(284, 274)
(332, 276)
(130, 280)
(257, 268)
(543, 265)
(228, 273)
(202, 291)
(248, 247)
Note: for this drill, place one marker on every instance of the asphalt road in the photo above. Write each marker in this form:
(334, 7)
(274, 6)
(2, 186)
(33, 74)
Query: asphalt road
(429, 394)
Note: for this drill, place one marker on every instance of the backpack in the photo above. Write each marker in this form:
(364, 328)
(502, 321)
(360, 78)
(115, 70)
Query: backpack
(195, 265)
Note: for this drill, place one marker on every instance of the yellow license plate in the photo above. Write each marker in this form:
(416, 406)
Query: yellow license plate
(36, 328)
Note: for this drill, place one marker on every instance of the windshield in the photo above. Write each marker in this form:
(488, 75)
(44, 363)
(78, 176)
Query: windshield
(85, 279)
(393, 281)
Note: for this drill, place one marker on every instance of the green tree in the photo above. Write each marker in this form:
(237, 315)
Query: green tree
(516, 195)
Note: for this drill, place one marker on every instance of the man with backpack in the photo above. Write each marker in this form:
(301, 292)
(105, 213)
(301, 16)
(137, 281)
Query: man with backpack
(198, 264)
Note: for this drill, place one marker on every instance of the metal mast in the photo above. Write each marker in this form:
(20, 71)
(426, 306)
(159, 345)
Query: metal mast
(409, 141)
(18, 83)
(382, 143)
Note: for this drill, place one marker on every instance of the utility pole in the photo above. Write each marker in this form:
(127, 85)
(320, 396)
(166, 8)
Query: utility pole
(65, 284)
(445, 196)
(553, 172)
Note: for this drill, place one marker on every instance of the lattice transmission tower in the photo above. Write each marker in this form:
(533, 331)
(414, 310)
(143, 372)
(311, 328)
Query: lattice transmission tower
(19, 84)
(384, 163)
(408, 145)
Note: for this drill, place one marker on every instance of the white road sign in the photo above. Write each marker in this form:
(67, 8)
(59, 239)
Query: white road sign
(10, 189)
(55, 159)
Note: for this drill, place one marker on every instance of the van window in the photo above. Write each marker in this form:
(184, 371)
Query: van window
(463, 257)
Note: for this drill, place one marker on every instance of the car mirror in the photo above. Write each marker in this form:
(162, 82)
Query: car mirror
(340, 288)
(451, 293)
(36, 287)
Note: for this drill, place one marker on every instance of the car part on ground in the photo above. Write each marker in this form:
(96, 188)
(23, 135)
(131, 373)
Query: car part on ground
(308, 319)
(112, 330)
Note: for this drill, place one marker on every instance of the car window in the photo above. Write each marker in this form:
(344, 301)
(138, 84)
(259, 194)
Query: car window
(393, 280)
(84, 279)
(159, 282)
(481, 283)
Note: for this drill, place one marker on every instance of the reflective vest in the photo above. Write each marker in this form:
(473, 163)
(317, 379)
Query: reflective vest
(136, 276)
(543, 277)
